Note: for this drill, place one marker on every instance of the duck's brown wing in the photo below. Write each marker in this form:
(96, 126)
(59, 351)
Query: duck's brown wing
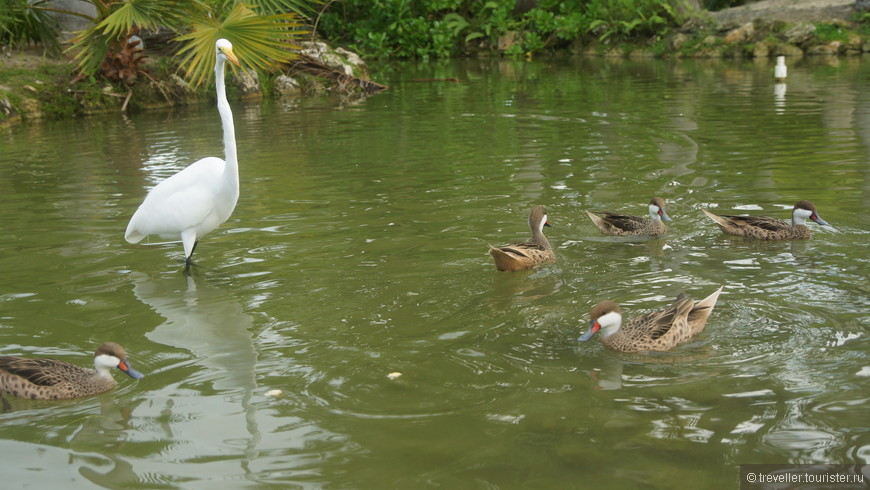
(764, 222)
(624, 222)
(521, 249)
(36, 371)
(657, 324)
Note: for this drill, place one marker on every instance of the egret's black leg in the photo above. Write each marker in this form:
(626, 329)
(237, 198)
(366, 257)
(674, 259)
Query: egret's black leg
(188, 261)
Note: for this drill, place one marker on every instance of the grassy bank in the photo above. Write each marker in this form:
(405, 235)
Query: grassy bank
(34, 86)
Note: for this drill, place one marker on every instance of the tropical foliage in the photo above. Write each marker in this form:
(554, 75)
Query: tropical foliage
(261, 31)
(260, 40)
(441, 28)
(26, 21)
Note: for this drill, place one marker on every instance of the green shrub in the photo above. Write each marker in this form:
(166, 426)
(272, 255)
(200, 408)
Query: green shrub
(443, 28)
(25, 22)
(831, 32)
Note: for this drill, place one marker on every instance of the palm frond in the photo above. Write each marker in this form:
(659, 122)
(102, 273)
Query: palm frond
(259, 41)
(117, 19)
(23, 21)
(271, 7)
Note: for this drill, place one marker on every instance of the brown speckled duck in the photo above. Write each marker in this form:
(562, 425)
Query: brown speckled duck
(624, 224)
(765, 228)
(50, 379)
(521, 256)
(656, 331)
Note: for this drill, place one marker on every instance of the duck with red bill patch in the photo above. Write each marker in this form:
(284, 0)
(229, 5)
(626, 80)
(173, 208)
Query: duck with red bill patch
(765, 228)
(655, 331)
(50, 379)
(626, 224)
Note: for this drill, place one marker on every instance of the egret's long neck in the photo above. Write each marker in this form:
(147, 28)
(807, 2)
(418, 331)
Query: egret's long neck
(231, 172)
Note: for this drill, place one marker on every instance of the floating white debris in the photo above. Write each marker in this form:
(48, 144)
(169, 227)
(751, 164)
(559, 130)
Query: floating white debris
(274, 393)
(842, 338)
(749, 394)
(748, 427)
(749, 263)
(865, 371)
(508, 419)
(394, 375)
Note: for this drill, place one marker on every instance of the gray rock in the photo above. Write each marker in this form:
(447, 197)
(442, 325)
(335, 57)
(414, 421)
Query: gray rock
(741, 34)
(248, 82)
(334, 61)
(788, 50)
(799, 33)
(351, 57)
(790, 11)
(180, 83)
(285, 85)
(678, 41)
(830, 48)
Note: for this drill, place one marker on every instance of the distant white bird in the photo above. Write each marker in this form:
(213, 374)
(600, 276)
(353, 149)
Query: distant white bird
(780, 71)
(200, 197)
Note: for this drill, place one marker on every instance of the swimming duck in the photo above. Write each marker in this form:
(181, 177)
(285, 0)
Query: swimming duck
(50, 379)
(655, 331)
(624, 224)
(766, 228)
(521, 256)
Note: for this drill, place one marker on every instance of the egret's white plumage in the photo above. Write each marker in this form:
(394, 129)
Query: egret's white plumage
(200, 197)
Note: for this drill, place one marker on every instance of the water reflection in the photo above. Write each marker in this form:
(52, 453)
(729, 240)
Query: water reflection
(211, 324)
(110, 431)
(366, 223)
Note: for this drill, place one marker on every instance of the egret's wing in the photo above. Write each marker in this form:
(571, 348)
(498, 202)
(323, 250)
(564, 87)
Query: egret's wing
(180, 202)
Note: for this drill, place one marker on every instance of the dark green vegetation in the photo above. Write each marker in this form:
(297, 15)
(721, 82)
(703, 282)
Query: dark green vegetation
(444, 28)
(264, 33)
(260, 30)
(24, 21)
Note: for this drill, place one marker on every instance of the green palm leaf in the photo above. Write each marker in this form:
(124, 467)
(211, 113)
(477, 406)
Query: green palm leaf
(144, 14)
(259, 41)
(119, 18)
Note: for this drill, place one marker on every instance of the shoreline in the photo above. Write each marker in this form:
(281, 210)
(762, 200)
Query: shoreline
(34, 87)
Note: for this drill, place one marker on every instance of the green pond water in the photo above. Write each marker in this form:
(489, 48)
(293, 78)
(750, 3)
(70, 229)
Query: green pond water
(358, 249)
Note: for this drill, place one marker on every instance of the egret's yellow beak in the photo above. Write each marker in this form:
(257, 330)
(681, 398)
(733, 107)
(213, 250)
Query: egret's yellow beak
(228, 52)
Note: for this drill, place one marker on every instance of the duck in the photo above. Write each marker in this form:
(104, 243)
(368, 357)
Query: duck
(522, 256)
(624, 224)
(50, 379)
(655, 331)
(765, 228)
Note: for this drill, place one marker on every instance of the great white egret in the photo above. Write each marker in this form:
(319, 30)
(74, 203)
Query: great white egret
(200, 197)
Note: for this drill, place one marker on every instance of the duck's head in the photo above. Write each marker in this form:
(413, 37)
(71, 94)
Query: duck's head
(111, 355)
(805, 210)
(538, 218)
(606, 317)
(657, 209)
